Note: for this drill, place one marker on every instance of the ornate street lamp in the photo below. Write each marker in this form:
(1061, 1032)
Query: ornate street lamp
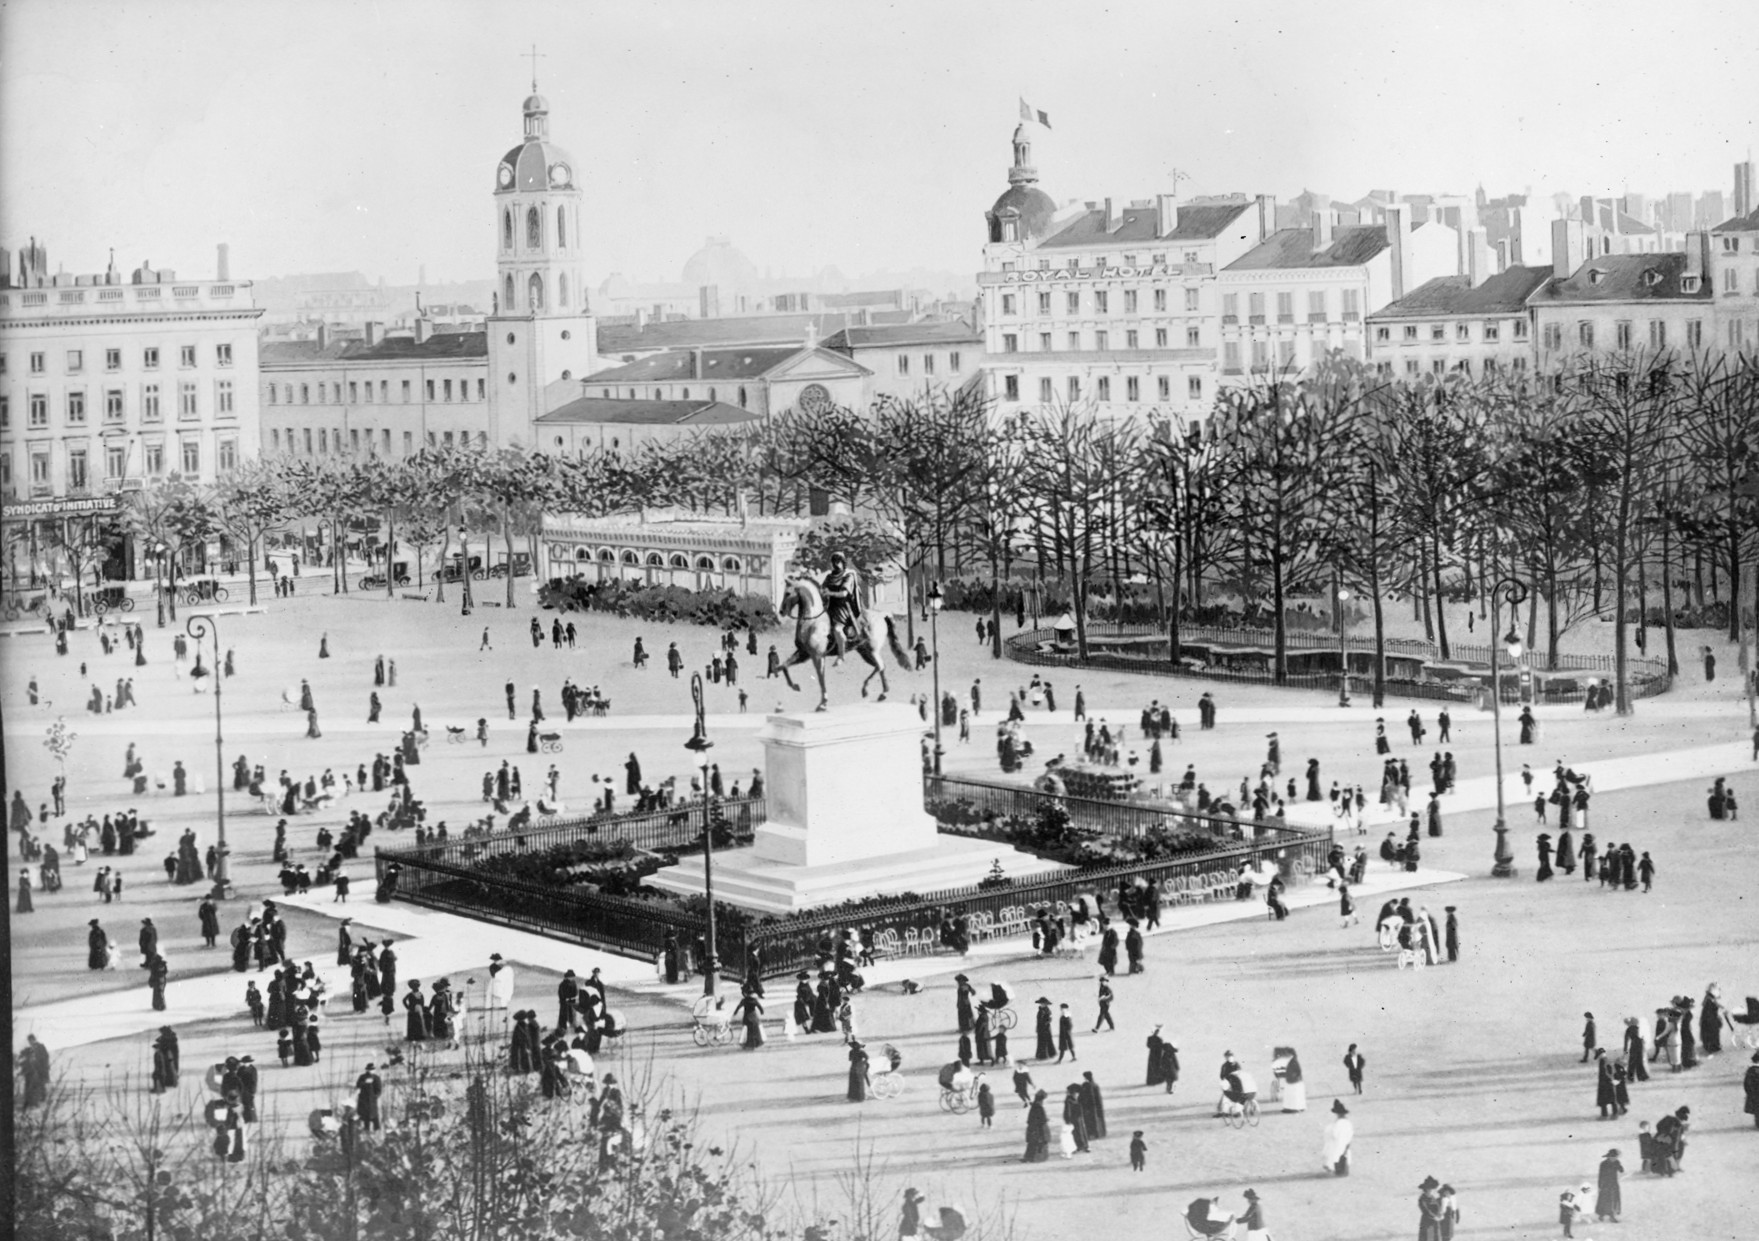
(1343, 649)
(1514, 592)
(201, 627)
(935, 602)
(701, 745)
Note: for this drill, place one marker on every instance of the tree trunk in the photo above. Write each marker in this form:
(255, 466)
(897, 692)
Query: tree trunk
(507, 538)
(1420, 594)
(1280, 632)
(466, 597)
(440, 571)
(995, 606)
(251, 548)
(1441, 611)
(1734, 570)
(1673, 658)
(390, 556)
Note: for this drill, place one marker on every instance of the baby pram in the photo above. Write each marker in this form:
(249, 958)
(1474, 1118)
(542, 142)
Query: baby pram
(1206, 1218)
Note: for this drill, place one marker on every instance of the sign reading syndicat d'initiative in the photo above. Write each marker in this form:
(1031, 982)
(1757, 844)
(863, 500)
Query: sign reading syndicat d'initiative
(70, 507)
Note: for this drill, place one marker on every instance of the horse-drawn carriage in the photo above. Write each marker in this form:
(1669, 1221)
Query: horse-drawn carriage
(202, 590)
(113, 598)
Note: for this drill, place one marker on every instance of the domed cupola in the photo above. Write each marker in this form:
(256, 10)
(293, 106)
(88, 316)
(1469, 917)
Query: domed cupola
(537, 163)
(1024, 211)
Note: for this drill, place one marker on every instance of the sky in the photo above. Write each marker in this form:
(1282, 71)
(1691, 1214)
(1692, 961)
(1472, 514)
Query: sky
(324, 136)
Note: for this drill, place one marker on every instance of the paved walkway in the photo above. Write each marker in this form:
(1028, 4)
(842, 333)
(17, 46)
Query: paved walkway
(433, 944)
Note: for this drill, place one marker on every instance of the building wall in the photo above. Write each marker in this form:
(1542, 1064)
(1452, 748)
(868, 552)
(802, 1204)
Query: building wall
(346, 408)
(81, 384)
(1564, 332)
(906, 371)
(1734, 272)
(1477, 345)
(527, 353)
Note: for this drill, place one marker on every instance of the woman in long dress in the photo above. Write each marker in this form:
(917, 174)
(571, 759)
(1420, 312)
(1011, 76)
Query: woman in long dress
(857, 1073)
(1294, 1086)
(415, 1028)
(1544, 849)
(752, 1007)
(1339, 1133)
(1038, 1131)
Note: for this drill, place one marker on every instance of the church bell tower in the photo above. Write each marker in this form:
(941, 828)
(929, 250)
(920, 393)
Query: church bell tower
(542, 338)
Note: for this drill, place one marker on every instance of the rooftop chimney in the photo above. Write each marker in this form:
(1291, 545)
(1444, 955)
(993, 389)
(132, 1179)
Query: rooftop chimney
(424, 328)
(1266, 216)
(375, 333)
(323, 336)
(1398, 240)
(1166, 207)
(1322, 225)
(223, 263)
(1697, 255)
(1567, 240)
(1111, 219)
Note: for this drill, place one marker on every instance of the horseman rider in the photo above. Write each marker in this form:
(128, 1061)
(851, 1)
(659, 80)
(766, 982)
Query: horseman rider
(842, 590)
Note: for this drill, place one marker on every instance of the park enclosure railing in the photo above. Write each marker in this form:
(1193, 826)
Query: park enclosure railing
(443, 877)
(1414, 668)
(674, 827)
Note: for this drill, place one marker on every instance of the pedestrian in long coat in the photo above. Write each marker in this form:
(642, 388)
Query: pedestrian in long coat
(1156, 1073)
(1133, 948)
(1047, 1044)
(1605, 1096)
(1065, 1034)
(752, 1008)
(1710, 1021)
(1074, 1119)
(415, 1029)
(1608, 1201)
(980, 1030)
(962, 1004)
(1108, 950)
(1750, 1085)
(158, 972)
(858, 1082)
(149, 941)
(1092, 1107)
(367, 1088)
(1038, 1131)
(24, 905)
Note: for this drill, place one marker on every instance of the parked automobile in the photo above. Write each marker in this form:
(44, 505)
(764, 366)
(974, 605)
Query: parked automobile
(376, 581)
(453, 570)
(521, 566)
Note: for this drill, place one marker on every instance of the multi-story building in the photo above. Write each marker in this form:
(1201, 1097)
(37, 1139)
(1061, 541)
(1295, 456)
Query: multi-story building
(105, 384)
(1625, 302)
(762, 381)
(1303, 293)
(1108, 306)
(1733, 256)
(1450, 325)
(905, 360)
(376, 396)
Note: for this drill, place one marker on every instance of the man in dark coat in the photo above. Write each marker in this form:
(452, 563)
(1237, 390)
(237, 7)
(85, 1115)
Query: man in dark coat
(568, 1002)
(1065, 1034)
(209, 916)
(1092, 1107)
(149, 941)
(367, 1088)
(247, 1088)
(1451, 935)
(1155, 1073)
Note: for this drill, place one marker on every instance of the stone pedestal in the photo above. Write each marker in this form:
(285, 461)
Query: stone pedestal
(844, 794)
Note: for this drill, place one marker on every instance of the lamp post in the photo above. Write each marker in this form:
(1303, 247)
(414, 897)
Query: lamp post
(701, 745)
(201, 627)
(1343, 649)
(158, 582)
(935, 601)
(1514, 592)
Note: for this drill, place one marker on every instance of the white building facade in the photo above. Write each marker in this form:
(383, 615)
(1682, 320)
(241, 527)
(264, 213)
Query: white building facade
(106, 384)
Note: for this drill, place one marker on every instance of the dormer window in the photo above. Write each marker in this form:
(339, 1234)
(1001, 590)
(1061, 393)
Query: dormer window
(1688, 284)
(1596, 275)
(1651, 277)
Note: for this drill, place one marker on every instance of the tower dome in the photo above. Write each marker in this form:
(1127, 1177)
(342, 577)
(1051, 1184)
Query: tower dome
(1024, 211)
(537, 163)
(719, 263)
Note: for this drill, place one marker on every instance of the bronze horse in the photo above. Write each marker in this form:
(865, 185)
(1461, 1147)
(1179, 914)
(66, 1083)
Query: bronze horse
(812, 639)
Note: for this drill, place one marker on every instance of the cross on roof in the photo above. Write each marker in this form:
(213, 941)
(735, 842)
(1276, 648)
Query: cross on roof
(535, 57)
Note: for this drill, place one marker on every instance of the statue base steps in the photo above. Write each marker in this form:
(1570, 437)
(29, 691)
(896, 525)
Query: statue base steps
(745, 879)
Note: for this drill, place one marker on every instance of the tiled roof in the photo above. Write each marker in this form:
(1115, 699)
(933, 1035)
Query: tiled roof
(1748, 223)
(1504, 293)
(1202, 223)
(1293, 247)
(680, 364)
(589, 409)
(951, 332)
(710, 333)
(1623, 278)
(1142, 225)
(440, 347)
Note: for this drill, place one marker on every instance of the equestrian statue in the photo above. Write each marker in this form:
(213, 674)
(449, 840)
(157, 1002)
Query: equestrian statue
(830, 621)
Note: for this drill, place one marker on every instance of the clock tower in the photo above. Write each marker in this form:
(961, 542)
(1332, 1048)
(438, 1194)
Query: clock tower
(542, 338)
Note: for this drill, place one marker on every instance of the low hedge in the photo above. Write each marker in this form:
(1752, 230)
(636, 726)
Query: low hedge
(722, 609)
